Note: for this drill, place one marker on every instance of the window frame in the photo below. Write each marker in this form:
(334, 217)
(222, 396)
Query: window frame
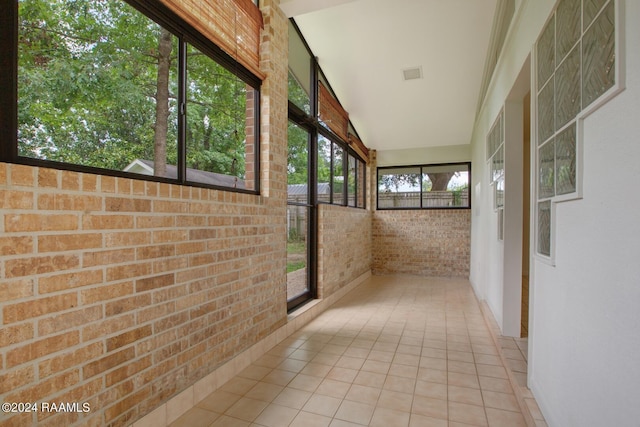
(184, 33)
(422, 168)
(312, 121)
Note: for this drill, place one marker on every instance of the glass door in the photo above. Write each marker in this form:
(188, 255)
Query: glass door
(300, 218)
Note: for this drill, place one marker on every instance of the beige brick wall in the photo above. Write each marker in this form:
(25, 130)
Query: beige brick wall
(122, 293)
(422, 242)
(344, 246)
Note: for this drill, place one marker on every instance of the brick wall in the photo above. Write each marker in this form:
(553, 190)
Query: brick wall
(122, 293)
(344, 246)
(422, 242)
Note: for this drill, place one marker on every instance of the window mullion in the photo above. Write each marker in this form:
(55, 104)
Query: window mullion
(182, 110)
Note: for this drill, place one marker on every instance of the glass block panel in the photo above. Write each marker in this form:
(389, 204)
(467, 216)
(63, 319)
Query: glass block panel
(546, 113)
(566, 161)
(501, 128)
(544, 228)
(546, 52)
(499, 194)
(568, 89)
(598, 56)
(491, 141)
(497, 164)
(546, 184)
(494, 139)
(591, 9)
(568, 27)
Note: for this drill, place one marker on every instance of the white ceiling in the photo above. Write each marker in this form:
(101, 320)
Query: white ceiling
(364, 45)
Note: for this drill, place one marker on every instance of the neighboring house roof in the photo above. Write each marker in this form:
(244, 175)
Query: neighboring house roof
(145, 167)
(301, 189)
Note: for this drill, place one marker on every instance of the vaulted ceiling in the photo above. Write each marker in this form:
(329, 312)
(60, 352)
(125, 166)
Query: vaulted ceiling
(363, 47)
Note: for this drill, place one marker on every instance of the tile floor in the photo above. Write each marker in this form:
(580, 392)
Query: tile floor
(397, 351)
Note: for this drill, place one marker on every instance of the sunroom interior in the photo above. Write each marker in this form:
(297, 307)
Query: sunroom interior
(334, 213)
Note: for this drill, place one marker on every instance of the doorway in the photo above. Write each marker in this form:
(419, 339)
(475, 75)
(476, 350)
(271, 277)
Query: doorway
(301, 216)
(517, 158)
(526, 204)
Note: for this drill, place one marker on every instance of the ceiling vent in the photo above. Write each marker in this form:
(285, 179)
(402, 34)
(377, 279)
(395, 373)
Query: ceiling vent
(412, 73)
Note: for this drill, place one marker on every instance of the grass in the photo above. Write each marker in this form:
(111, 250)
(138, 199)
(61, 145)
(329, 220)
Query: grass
(295, 265)
(296, 247)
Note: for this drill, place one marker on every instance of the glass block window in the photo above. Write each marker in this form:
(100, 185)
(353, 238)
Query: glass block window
(576, 73)
(495, 149)
(495, 160)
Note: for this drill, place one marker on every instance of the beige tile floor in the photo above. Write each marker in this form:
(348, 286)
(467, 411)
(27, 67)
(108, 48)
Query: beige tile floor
(395, 352)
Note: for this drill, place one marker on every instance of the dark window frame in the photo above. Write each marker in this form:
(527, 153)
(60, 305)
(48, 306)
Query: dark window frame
(184, 32)
(422, 167)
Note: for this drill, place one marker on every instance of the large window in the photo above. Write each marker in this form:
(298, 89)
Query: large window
(103, 87)
(439, 186)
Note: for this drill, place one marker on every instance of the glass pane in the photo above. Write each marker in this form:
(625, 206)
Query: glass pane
(591, 9)
(566, 161)
(297, 283)
(598, 56)
(499, 194)
(298, 164)
(544, 228)
(216, 122)
(298, 95)
(546, 115)
(494, 137)
(569, 27)
(351, 182)
(89, 75)
(399, 188)
(337, 188)
(497, 164)
(445, 186)
(568, 89)
(299, 71)
(546, 185)
(546, 53)
(324, 170)
(362, 184)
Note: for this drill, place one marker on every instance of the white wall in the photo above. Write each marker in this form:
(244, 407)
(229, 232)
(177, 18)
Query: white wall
(418, 156)
(585, 310)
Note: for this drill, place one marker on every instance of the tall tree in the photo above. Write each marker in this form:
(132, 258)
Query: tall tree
(162, 104)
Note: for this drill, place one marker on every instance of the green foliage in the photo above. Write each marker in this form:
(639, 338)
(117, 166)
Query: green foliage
(87, 80)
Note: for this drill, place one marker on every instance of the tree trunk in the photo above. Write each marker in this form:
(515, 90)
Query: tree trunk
(440, 181)
(162, 104)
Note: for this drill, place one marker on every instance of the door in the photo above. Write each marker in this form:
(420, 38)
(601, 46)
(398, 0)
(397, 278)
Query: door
(301, 217)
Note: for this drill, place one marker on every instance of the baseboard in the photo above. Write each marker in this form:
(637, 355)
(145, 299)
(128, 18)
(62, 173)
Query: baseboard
(175, 407)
